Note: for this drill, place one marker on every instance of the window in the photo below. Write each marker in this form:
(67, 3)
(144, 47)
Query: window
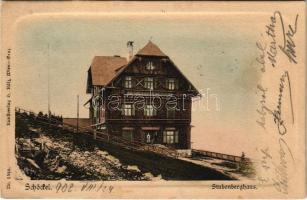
(170, 113)
(128, 82)
(150, 66)
(171, 84)
(149, 83)
(127, 134)
(150, 111)
(170, 136)
(96, 90)
(128, 110)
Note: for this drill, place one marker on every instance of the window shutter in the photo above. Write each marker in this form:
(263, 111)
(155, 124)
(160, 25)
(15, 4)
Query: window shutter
(164, 136)
(132, 110)
(123, 109)
(145, 83)
(132, 83)
(176, 136)
(154, 112)
(155, 81)
(145, 110)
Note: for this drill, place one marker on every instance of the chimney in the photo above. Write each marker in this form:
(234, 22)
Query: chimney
(130, 49)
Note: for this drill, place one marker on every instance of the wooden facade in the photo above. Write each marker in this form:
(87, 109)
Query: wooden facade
(147, 99)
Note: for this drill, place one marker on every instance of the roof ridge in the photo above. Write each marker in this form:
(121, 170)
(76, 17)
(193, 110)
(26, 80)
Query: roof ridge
(151, 49)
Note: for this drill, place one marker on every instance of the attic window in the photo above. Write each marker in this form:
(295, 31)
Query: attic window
(171, 83)
(128, 82)
(149, 83)
(150, 66)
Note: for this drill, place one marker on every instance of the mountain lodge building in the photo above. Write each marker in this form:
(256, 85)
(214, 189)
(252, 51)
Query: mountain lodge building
(144, 99)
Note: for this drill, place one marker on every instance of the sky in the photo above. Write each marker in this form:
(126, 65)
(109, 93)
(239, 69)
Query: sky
(216, 53)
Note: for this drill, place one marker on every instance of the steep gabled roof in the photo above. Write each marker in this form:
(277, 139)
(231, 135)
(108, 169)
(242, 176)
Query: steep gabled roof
(150, 49)
(104, 68)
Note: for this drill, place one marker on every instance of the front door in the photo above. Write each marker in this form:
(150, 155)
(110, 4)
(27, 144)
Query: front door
(151, 137)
